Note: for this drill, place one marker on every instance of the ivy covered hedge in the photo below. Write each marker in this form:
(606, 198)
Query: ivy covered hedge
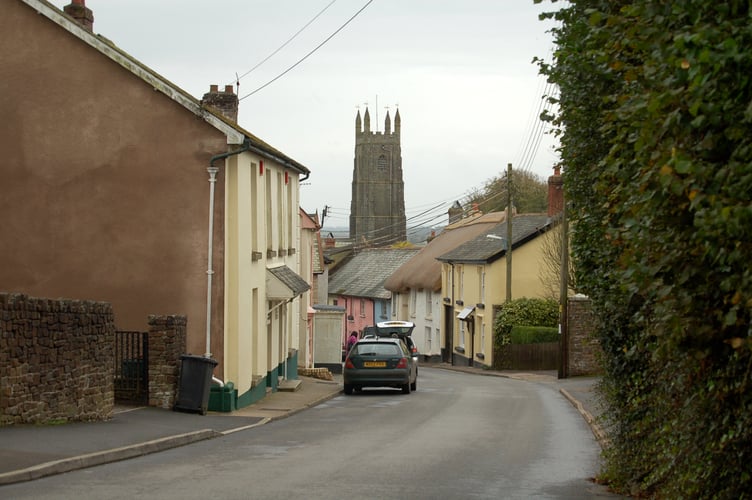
(655, 126)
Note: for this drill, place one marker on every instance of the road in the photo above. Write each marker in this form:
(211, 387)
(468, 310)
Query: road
(458, 436)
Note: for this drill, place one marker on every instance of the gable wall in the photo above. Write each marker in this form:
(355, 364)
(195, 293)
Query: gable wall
(105, 192)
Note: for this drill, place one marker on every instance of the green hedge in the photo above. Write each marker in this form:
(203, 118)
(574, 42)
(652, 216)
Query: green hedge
(533, 334)
(654, 123)
(523, 312)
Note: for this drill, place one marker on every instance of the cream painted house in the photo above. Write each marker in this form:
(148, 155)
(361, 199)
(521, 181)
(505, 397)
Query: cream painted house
(262, 286)
(416, 285)
(314, 270)
(474, 284)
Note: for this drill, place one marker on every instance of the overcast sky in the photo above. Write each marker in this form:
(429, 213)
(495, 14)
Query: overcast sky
(460, 71)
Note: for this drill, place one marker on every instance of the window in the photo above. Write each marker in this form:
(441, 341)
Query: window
(483, 338)
(384, 312)
(482, 280)
(461, 273)
(428, 339)
(269, 219)
(362, 308)
(429, 302)
(374, 349)
(413, 299)
(280, 206)
(254, 208)
(291, 213)
(382, 162)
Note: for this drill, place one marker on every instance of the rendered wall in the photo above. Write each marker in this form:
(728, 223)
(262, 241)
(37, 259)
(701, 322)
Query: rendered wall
(105, 192)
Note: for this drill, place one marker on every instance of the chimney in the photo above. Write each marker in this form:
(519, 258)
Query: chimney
(455, 212)
(225, 102)
(555, 192)
(83, 15)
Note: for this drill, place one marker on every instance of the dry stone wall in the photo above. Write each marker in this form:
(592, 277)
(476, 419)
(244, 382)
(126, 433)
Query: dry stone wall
(166, 345)
(56, 360)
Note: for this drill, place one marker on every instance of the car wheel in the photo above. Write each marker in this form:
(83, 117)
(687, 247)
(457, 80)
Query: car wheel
(348, 389)
(406, 388)
(414, 385)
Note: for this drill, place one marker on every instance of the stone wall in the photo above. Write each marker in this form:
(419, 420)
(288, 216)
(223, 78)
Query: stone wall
(166, 345)
(584, 348)
(56, 360)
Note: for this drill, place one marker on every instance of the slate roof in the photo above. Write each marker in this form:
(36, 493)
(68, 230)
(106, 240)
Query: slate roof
(423, 271)
(483, 250)
(364, 274)
(290, 278)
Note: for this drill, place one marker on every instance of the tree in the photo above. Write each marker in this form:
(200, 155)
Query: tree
(549, 271)
(529, 193)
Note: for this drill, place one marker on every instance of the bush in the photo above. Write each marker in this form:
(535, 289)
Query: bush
(533, 334)
(524, 312)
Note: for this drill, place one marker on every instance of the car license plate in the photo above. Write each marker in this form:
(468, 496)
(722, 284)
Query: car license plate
(374, 364)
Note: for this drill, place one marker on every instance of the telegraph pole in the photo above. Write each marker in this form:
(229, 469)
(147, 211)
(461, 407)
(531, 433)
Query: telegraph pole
(563, 295)
(509, 232)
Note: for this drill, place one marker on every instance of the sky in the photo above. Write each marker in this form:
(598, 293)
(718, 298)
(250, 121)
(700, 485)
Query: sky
(460, 72)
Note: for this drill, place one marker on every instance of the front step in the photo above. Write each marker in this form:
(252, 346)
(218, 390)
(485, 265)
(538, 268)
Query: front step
(289, 385)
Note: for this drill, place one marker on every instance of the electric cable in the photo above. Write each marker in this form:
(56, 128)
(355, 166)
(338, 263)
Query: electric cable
(308, 54)
(237, 79)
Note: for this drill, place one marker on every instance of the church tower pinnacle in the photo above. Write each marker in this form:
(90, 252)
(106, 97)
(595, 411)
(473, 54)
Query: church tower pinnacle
(377, 206)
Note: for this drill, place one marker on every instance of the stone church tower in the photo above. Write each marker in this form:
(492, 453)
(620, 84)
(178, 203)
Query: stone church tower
(377, 206)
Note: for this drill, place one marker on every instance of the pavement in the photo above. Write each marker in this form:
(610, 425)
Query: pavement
(29, 452)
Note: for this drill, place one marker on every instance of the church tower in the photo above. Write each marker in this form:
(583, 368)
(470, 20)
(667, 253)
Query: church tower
(377, 206)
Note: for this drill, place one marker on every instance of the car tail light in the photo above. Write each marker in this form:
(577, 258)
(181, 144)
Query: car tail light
(414, 349)
(402, 363)
(349, 364)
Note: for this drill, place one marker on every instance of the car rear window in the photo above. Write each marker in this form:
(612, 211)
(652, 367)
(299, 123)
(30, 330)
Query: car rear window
(375, 349)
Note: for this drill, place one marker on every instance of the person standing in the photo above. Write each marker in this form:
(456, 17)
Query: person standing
(352, 341)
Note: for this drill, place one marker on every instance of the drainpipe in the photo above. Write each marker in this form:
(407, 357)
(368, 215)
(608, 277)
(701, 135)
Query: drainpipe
(209, 270)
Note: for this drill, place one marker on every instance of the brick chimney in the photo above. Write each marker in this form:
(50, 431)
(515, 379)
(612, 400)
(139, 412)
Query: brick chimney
(78, 10)
(225, 102)
(555, 192)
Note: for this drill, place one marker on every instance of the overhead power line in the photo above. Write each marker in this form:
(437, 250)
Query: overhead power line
(286, 43)
(308, 54)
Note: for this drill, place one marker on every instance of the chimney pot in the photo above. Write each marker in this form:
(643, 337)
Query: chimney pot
(224, 102)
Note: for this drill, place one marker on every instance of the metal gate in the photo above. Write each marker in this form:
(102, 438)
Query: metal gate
(132, 367)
